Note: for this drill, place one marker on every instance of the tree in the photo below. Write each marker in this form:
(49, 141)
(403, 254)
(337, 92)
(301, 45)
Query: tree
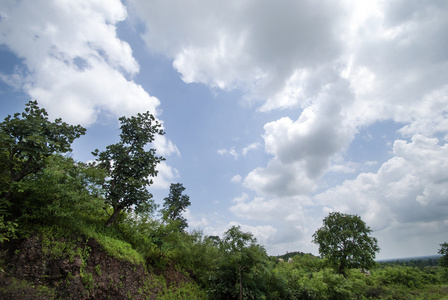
(444, 251)
(175, 204)
(345, 240)
(129, 166)
(26, 141)
(240, 256)
(62, 190)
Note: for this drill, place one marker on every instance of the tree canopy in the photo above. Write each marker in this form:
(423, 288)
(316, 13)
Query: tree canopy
(129, 165)
(27, 139)
(241, 255)
(345, 240)
(444, 251)
(175, 204)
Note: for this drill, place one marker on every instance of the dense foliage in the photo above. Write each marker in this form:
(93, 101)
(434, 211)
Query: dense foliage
(27, 140)
(345, 240)
(129, 165)
(444, 251)
(61, 198)
(175, 204)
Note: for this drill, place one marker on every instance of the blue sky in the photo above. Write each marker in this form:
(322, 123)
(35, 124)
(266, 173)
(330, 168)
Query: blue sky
(276, 112)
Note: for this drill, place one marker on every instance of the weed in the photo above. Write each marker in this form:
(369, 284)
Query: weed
(98, 270)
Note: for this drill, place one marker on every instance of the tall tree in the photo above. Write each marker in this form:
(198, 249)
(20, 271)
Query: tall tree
(241, 255)
(175, 204)
(444, 251)
(27, 140)
(345, 240)
(129, 166)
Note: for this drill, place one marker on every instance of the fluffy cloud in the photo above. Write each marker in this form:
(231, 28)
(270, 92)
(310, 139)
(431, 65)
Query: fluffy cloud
(231, 152)
(73, 62)
(405, 198)
(166, 175)
(250, 147)
(255, 45)
(258, 208)
(360, 63)
(408, 191)
(195, 222)
(294, 218)
(278, 179)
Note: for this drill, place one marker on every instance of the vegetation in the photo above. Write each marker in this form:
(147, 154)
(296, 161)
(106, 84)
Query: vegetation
(175, 204)
(129, 166)
(444, 251)
(63, 206)
(344, 239)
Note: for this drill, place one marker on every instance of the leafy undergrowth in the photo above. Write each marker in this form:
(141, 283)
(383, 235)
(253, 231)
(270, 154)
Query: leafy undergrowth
(84, 260)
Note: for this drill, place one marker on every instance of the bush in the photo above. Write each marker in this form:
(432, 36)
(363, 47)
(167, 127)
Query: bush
(405, 276)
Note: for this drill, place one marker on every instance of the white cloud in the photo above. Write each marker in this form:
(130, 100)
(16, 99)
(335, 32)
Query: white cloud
(344, 66)
(166, 175)
(164, 146)
(274, 209)
(278, 179)
(73, 62)
(195, 222)
(236, 178)
(81, 96)
(254, 45)
(409, 190)
(250, 147)
(231, 152)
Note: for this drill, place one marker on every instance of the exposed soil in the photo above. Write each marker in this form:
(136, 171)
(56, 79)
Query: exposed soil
(29, 273)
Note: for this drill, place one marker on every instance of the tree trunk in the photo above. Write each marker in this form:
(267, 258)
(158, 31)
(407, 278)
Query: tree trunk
(241, 283)
(341, 270)
(114, 216)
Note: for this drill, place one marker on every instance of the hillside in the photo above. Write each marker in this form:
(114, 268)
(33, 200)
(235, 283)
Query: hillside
(45, 267)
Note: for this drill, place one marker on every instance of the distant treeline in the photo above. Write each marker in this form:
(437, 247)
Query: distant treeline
(418, 262)
(289, 255)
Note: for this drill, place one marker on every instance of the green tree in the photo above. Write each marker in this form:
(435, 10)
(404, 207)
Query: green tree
(26, 141)
(129, 165)
(175, 204)
(63, 190)
(242, 258)
(444, 251)
(345, 240)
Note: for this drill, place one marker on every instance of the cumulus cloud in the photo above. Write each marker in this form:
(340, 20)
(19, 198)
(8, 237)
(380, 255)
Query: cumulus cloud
(360, 63)
(343, 66)
(231, 152)
(278, 179)
(165, 176)
(236, 178)
(195, 222)
(258, 208)
(73, 62)
(250, 147)
(164, 146)
(410, 188)
(254, 45)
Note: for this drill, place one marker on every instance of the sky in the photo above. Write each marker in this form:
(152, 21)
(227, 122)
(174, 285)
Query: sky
(276, 113)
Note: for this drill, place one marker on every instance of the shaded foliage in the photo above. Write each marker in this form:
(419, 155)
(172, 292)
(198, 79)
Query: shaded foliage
(27, 140)
(175, 204)
(129, 165)
(444, 251)
(345, 240)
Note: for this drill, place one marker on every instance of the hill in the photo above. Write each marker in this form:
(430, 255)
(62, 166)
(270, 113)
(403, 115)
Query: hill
(48, 266)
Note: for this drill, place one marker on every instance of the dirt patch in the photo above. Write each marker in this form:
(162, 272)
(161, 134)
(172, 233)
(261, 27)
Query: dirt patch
(32, 273)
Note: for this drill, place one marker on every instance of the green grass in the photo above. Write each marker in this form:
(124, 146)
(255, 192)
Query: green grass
(109, 239)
